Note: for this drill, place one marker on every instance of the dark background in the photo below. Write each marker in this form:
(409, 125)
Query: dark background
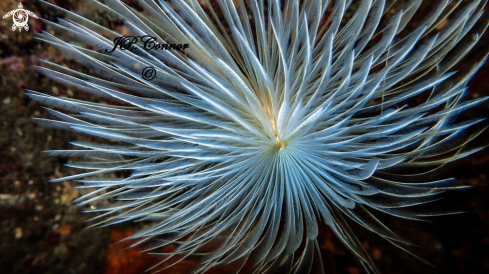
(42, 232)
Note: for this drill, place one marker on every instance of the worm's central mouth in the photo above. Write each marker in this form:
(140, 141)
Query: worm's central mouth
(278, 146)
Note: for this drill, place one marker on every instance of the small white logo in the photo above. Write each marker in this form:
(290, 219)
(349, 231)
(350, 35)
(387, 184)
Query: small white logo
(20, 17)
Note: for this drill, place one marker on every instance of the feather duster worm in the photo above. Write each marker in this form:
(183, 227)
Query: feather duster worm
(278, 115)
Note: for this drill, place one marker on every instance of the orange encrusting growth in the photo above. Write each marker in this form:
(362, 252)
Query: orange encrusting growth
(121, 259)
(124, 260)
